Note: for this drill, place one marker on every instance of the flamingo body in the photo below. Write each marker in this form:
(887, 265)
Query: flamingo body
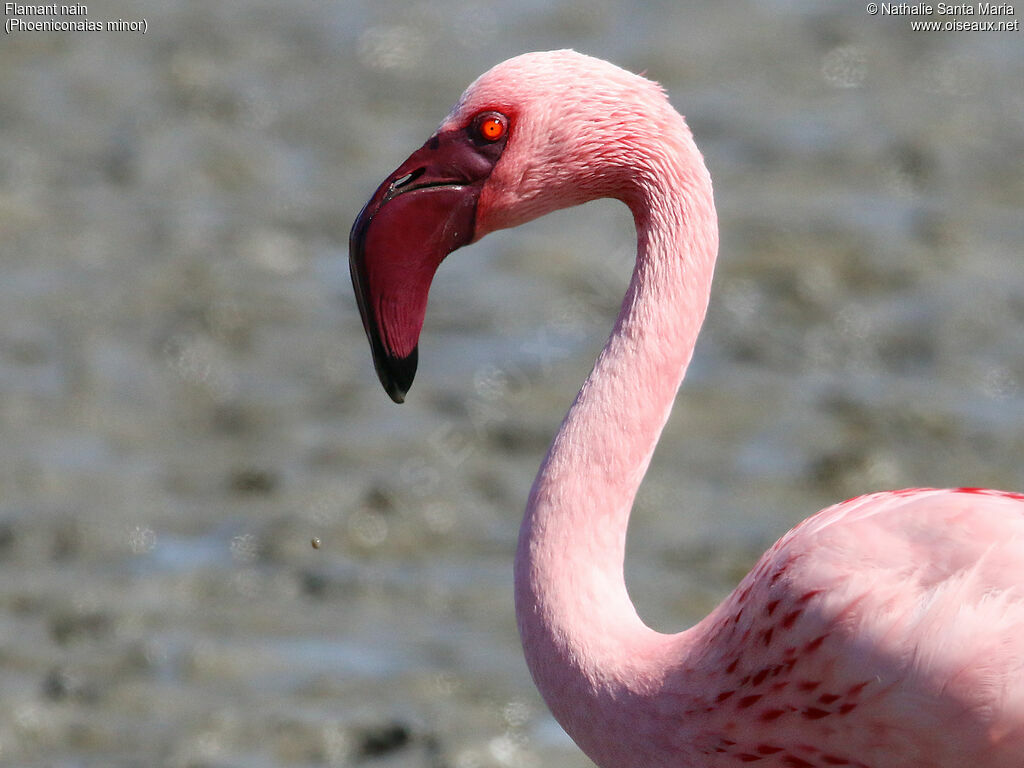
(884, 631)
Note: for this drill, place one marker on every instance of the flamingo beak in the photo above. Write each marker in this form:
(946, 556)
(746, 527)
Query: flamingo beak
(422, 212)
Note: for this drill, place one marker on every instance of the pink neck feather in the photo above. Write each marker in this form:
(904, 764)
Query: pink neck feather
(585, 644)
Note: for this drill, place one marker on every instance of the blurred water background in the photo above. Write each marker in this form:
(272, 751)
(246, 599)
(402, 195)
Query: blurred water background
(187, 397)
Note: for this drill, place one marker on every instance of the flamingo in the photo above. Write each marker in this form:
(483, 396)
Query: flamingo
(887, 630)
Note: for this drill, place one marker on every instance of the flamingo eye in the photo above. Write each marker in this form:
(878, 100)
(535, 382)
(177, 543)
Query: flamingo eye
(491, 127)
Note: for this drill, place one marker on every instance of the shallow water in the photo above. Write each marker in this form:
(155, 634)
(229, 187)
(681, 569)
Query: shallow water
(186, 397)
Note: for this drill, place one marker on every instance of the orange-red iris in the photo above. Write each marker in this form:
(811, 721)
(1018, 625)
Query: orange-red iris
(492, 128)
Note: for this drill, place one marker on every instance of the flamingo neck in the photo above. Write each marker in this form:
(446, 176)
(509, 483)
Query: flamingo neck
(585, 644)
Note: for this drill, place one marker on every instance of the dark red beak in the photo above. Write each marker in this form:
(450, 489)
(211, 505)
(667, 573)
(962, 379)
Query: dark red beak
(422, 212)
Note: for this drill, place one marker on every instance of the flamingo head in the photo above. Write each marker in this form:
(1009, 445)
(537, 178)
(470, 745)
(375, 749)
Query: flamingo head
(535, 133)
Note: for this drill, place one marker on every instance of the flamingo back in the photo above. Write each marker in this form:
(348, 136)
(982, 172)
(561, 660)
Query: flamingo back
(890, 627)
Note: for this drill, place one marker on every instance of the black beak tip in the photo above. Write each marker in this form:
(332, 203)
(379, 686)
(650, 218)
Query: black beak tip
(397, 374)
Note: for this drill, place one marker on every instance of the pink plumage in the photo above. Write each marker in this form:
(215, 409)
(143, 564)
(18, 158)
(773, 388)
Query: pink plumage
(884, 631)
